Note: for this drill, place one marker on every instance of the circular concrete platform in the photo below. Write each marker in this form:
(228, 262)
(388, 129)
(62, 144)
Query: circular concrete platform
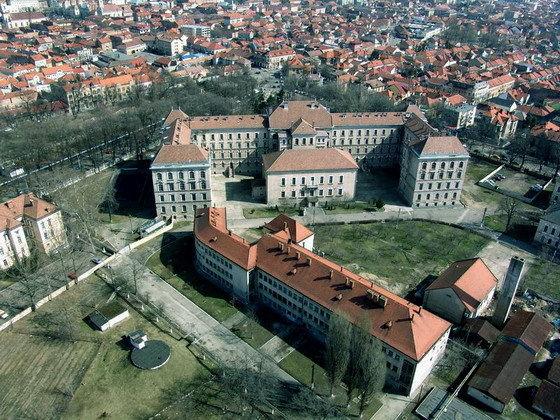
(154, 355)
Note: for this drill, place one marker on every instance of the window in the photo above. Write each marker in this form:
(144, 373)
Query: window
(452, 165)
(420, 186)
(163, 209)
(203, 185)
(430, 186)
(294, 181)
(461, 164)
(172, 197)
(302, 180)
(329, 192)
(545, 228)
(283, 194)
(331, 178)
(202, 175)
(183, 197)
(340, 191)
(293, 193)
(181, 175)
(419, 196)
(433, 165)
(170, 186)
(459, 174)
(204, 196)
(312, 180)
(173, 209)
(161, 198)
(283, 182)
(159, 177)
(192, 185)
(341, 179)
(191, 174)
(193, 197)
(169, 175)
(424, 165)
(442, 165)
(321, 180)
(160, 187)
(184, 209)
(181, 185)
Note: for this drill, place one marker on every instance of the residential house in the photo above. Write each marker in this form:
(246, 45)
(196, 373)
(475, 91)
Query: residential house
(464, 290)
(548, 231)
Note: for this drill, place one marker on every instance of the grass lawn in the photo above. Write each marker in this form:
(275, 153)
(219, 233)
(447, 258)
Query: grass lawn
(351, 208)
(300, 366)
(252, 333)
(521, 228)
(398, 259)
(173, 263)
(269, 212)
(91, 374)
(542, 276)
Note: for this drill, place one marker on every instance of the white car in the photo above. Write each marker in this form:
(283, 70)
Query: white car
(3, 314)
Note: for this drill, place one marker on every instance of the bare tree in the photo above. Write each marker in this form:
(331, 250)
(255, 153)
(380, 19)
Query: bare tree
(509, 207)
(337, 350)
(372, 371)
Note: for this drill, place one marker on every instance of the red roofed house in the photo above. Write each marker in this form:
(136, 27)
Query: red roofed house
(307, 289)
(464, 290)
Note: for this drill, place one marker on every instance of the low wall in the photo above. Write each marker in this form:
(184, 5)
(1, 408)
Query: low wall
(85, 275)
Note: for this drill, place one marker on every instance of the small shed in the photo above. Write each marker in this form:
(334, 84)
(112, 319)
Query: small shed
(138, 339)
(109, 315)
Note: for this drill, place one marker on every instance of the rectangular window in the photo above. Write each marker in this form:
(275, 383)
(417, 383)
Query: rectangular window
(302, 180)
(341, 179)
(283, 182)
(193, 197)
(340, 191)
(331, 179)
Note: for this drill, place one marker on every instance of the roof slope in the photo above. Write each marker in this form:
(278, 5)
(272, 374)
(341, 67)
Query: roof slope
(529, 327)
(308, 160)
(470, 279)
(289, 112)
(448, 145)
(296, 231)
(502, 371)
(400, 324)
(181, 153)
(210, 227)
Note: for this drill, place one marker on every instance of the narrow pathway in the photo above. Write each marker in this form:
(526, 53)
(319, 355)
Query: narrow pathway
(278, 349)
(213, 337)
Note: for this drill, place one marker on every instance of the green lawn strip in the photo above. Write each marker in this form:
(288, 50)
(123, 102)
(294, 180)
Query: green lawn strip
(204, 294)
(252, 333)
(402, 257)
(521, 228)
(264, 212)
(351, 208)
(542, 276)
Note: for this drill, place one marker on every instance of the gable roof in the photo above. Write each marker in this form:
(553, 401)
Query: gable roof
(529, 327)
(295, 230)
(289, 112)
(470, 279)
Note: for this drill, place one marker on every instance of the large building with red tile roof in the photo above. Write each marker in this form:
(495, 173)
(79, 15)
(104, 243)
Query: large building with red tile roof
(282, 275)
(464, 290)
(27, 223)
(237, 143)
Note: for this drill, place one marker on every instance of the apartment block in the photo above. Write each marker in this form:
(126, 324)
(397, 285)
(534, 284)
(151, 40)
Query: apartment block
(27, 223)
(281, 275)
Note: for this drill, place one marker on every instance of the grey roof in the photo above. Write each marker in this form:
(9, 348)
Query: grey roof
(457, 409)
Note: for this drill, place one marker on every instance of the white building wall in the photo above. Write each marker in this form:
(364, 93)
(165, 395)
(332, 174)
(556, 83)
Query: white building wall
(445, 303)
(485, 399)
(425, 366)
(49, 232)
(222, 272)
(307, 243)
(548, 233)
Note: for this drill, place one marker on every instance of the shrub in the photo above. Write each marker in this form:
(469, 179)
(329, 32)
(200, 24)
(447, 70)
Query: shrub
(379, 203)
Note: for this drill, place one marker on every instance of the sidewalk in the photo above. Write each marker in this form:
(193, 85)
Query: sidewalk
(215, 338)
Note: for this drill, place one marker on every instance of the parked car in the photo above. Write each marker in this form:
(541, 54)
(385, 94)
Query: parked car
(96, 260)
(72, 276)
(501, 176)
(3, 314)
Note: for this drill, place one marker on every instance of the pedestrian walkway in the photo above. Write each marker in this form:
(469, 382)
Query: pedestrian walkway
(233, 320)
(277, 348)
(224, 346)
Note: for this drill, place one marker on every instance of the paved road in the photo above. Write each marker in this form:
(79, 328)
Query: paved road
(216, 339)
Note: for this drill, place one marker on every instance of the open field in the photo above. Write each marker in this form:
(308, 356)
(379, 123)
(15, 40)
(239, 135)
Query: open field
(91, 375)
(397, 258)
(39, 375)
(542, 276)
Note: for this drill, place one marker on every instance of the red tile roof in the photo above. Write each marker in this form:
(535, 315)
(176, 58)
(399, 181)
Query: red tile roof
(471, 280)
(308, 160)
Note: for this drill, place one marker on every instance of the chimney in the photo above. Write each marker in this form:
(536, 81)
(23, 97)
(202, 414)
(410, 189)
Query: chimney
(338, 297)
(330, 274)
(298, 255)
(214, 239)
(280, 246)
(370, 294)
(412, 317)
(507, 292)
(287, 250)
(285, 225)
(308, 261)
(382, 301)
(229, 232)
(388, 324)
(294, 271)
(419, 310)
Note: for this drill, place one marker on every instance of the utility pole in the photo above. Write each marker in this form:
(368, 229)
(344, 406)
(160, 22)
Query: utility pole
(483, 216)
